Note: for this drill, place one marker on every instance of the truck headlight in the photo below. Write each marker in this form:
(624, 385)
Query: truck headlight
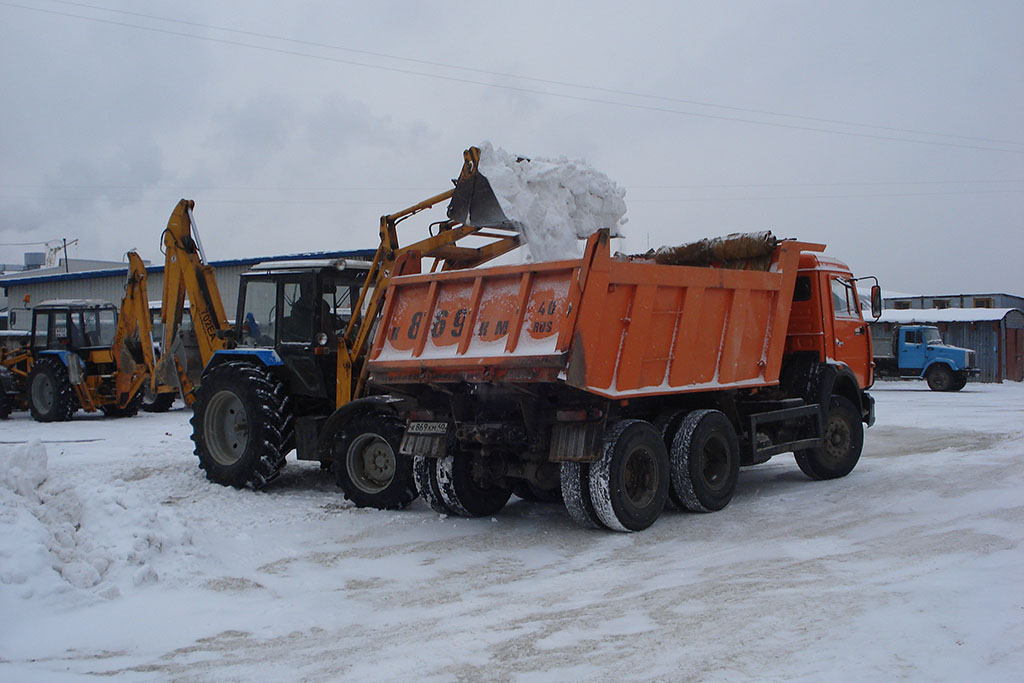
(320, 339)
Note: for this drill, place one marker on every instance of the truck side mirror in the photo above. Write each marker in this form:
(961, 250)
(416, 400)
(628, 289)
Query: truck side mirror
(876, 301)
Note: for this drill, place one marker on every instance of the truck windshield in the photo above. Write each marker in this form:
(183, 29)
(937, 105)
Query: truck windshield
(931, 336)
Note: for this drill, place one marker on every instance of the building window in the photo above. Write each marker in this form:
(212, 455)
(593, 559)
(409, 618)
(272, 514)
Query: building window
(982, 302)
(941, 303)
(902, 305)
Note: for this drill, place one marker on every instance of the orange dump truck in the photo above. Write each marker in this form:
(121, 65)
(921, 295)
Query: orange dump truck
(625, 385)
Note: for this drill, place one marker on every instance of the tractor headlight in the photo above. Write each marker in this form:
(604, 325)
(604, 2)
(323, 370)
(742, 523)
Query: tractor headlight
(320, 339)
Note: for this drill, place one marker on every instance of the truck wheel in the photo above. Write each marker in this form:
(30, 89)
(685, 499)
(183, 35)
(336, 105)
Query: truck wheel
(959, 382)
(240, 425)
(575, 479)
(466, 494)
(844, 439)
(940, 378)
(130, 410)
(668, 424)
(51, 396)
(705, 461)
(424, 472)
(629, 484)
(157, 402)
(368, 466)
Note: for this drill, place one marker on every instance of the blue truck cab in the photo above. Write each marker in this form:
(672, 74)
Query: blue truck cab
(917, 351)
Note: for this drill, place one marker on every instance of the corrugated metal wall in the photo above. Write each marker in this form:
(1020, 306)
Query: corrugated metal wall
(984, 338)
(108, 288)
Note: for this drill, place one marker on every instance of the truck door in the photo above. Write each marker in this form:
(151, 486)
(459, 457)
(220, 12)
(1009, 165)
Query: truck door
(911, 350)
(850, 340)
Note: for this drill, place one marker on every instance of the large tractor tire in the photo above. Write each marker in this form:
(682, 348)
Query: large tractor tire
(705, 461)
(844, 439)
(241, 425)
(466, 494)
(629, 484)
(51, 398)
(367, 465)
(940, 378)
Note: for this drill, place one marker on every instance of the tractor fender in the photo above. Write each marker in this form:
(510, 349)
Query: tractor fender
(340, 417)
(267, 358)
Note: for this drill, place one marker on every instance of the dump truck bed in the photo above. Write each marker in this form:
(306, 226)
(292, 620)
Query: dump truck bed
(617, 327)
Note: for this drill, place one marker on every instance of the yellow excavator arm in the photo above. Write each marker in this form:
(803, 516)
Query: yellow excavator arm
(186, 272)
(132, 348)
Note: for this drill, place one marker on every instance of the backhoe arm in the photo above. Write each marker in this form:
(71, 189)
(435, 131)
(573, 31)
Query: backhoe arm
(132, 348)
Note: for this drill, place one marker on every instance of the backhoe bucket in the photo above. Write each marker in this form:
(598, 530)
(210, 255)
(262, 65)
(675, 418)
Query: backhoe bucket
(473, 201)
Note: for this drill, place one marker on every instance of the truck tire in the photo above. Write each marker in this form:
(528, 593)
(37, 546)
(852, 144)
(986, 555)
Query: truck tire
(241, 425)
(844, 439)
(940, 378)
(575, 480)
(705, 461)
(959, 382)
(424, 472)
(463, 492)
(157, 402)
(51, 398)
(668, 424)
(130, 410)
(629, 484)
(367, 465)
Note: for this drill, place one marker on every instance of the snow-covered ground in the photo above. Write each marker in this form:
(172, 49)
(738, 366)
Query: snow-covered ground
(119, 561)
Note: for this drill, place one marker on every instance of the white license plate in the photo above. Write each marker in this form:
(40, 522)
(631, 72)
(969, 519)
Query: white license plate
(428, 428)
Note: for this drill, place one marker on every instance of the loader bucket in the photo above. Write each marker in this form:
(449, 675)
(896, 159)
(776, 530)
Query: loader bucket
(473, 201)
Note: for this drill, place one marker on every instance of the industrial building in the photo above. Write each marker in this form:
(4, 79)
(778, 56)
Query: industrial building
(27, 288)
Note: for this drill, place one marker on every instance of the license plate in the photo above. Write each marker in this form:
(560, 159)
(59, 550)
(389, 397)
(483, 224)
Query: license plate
(428, 428)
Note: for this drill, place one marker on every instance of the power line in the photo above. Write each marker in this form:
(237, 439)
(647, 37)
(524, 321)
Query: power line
(546, 81)
(565, 96)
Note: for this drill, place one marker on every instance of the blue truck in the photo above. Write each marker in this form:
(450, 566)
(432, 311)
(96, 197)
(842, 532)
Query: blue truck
(918, 352)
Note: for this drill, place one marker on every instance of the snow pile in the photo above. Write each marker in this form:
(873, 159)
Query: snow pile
(58, 537)
(555, 202)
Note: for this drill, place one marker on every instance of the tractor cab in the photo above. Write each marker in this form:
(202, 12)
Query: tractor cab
(80, 326)
(299, 310)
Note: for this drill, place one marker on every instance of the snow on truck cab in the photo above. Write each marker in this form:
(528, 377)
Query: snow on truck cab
(619, 385)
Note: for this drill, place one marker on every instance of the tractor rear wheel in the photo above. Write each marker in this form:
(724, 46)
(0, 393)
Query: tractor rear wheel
(51, 396)
(367, 464)
(241, 425)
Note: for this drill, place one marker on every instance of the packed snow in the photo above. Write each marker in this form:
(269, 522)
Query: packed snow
(554, 202)
(120, 561)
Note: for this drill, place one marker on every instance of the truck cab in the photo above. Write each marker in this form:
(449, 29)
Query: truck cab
(917, 351)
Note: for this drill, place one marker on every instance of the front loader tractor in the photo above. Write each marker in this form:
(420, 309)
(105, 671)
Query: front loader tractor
(290, 373)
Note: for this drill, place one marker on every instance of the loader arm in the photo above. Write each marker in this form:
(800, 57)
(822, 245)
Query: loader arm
(186, 273)
(134, 366)
(471, 196)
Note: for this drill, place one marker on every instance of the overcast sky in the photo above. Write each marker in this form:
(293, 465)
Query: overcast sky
(891, 131)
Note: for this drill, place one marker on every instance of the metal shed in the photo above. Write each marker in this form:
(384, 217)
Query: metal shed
(995, 334)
